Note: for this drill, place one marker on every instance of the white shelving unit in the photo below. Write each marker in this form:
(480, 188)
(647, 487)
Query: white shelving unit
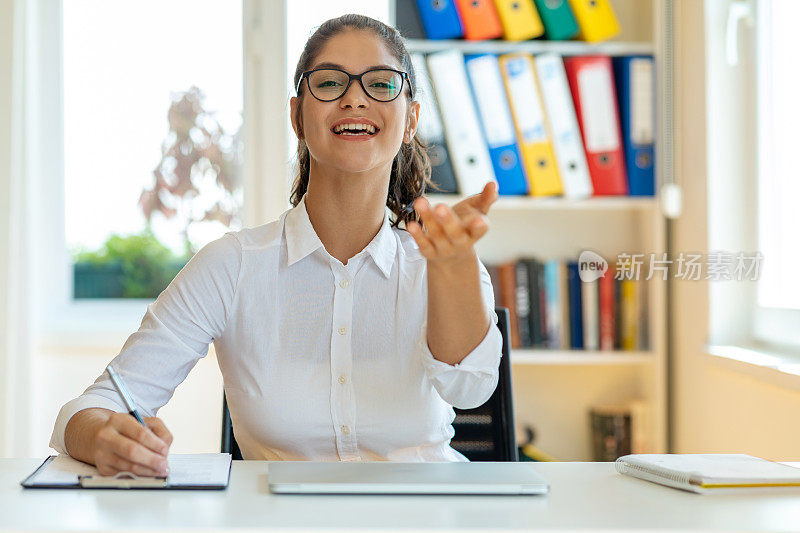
(567, 48)
(554, 389)
(580, 357)
(530, 203)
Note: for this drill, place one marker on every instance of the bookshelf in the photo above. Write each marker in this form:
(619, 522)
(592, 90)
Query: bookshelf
(555, 389)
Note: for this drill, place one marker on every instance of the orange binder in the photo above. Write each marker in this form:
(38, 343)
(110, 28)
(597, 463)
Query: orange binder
(591, 83)
(596, 19)
(480, 20)
(520, 19)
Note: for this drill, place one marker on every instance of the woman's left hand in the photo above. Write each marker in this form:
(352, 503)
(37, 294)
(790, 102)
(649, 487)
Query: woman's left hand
(447, 234)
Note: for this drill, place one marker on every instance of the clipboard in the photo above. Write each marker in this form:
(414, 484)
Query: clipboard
(63, 472)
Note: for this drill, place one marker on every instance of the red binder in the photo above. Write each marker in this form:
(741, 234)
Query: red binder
(607, 298)
(480, 19)
(591, 82)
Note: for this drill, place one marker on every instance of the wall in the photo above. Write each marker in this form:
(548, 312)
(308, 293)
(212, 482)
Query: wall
(718, 408)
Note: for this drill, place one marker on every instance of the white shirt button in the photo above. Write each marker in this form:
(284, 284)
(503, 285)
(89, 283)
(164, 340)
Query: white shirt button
(346, 430)
(342, 330)
(344, 283)
(342, 379)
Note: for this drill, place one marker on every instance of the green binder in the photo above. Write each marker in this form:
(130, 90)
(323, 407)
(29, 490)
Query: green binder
(557, 18)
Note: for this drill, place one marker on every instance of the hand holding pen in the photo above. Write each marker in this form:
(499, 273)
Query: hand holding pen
(126, 442)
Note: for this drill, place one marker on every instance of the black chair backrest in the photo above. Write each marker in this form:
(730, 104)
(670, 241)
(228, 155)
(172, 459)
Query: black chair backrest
(229, 444)
(485, 433)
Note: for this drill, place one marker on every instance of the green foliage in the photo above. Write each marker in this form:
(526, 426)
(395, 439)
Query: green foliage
(147, 266)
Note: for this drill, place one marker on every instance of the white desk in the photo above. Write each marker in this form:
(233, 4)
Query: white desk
(583, 496)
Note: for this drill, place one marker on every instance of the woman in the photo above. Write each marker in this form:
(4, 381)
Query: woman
(339, 335)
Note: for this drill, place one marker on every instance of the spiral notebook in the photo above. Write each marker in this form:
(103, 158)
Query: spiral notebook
(705, 473)
(186, 471)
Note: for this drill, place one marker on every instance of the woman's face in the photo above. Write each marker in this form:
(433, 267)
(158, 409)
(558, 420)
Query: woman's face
(354, 51)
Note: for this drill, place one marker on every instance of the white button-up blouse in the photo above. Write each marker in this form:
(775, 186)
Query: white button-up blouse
(320, 360)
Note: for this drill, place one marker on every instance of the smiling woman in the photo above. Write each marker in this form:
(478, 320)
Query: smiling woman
(393, 150)
(340, 335)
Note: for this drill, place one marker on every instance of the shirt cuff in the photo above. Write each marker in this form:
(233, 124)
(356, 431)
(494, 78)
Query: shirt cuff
(85, 401)
(471, 382)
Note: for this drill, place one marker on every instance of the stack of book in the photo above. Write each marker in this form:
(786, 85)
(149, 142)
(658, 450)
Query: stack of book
(551, 308)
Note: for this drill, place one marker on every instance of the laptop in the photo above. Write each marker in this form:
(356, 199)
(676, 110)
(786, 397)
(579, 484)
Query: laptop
(383, 477)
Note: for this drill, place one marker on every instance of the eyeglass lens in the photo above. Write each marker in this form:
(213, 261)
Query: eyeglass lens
(383, 85)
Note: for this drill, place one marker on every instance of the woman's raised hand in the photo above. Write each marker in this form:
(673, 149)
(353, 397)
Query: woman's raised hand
(449, 234)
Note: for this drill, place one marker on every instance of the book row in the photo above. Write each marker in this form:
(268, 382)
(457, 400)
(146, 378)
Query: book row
(575, 126)
(550, 307)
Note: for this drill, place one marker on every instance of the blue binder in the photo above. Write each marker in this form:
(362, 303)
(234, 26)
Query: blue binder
(440, 19)
(636, 87)
(498, 127)
(575, 306)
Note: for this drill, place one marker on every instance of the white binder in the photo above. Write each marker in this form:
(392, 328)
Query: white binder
(468, 151)
(567, 143)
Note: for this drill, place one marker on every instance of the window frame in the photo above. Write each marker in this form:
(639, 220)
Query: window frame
(771, 325)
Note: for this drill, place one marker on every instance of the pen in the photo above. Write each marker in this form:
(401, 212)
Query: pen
(116, 379)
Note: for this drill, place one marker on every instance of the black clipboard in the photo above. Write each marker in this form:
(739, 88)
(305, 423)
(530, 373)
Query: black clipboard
(123, 480)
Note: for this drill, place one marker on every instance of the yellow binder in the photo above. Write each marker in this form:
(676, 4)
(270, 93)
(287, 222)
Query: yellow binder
(530, 123)
(520, 19)
(596, 19)
(629, 314)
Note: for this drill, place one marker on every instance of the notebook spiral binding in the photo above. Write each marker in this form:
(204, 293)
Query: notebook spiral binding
(624, 467)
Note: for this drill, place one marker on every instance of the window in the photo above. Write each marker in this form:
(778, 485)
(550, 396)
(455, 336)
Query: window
(777, 313)
(752, 177)
(152, 147)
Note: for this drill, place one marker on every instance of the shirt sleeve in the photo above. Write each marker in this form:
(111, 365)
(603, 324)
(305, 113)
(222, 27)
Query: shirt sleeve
(471, 382)
(174, 334)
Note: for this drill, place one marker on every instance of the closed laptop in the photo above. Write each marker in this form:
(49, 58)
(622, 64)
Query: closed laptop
(405, 478)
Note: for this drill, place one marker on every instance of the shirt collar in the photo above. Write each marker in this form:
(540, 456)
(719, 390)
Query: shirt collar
(302, 240)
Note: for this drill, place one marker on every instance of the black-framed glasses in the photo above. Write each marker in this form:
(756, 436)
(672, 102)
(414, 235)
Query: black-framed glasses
(329, 84)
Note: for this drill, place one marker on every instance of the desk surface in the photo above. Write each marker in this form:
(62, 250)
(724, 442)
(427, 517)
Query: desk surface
(583, 496)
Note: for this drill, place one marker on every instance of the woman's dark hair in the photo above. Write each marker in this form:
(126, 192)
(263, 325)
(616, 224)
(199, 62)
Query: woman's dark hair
(411, 168)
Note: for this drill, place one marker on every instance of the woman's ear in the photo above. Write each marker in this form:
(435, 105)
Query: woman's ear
(411, 122)
(294, 114)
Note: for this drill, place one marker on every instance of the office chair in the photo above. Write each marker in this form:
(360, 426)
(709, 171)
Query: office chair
(485, 433)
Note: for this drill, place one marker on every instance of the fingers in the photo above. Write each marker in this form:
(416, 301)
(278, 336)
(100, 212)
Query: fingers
(435, 231)
(128, 426)
(160, 429)
(487, 197)
(135, 452)
(447, 232)
(111, 464)
(454, 228)
(115, 452)
(477, 227)
(426, 247)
